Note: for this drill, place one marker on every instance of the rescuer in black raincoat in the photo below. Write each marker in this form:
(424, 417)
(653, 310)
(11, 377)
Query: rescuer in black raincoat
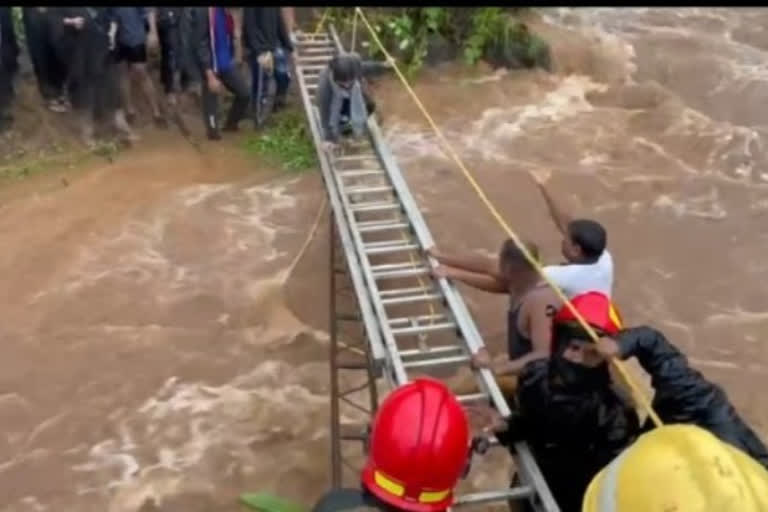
(683, 395)
(567, 410)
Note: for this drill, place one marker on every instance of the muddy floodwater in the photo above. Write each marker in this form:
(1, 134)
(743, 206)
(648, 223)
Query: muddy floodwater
(158, 355)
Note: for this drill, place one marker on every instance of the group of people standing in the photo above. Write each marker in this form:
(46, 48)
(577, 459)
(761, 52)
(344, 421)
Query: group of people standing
(93, 61)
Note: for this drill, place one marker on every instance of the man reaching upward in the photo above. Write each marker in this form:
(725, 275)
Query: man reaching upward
(589, 266)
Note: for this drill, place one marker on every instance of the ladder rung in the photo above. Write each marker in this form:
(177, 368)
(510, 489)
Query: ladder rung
(385, 243)
(314, 39)
(313, 58)
(403, 272)
(311, 67)
(403, 291)
(439, 361)
(366, 156)
(392, 248)
(408, 320)
(473, 397)
(360, 172)
(447, 349)
(426, 297)
(513, 493)
(376, 207)
(384, 226)
(418, 329)
(368, 190)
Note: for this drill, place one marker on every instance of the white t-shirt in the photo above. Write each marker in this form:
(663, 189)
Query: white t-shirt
(577, 278)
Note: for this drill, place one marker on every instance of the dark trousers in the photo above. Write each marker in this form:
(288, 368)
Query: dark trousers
(260, 79)
(176, 73)
(92, 73)
(6, 95)
(49, 71)
(234, 82)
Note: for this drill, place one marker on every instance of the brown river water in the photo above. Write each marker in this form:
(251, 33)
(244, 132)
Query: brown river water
(157, 354)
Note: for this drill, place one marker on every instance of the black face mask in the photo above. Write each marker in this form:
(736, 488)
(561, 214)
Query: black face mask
(575, 376)
(578, 377)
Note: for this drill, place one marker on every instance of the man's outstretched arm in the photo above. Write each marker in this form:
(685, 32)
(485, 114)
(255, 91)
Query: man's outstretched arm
(468, 262)
(559, 216)
(481, 281)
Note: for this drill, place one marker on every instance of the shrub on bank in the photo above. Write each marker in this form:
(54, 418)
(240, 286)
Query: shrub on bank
(427, 35)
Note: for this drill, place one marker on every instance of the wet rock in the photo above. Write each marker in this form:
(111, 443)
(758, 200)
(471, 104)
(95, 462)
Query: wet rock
(439, 49)
(519, 48)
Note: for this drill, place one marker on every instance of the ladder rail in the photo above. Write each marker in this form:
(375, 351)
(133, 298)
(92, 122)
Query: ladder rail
(372, 327)
(531, 474)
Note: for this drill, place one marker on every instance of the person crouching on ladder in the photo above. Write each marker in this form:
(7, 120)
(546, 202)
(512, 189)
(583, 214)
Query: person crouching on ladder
(343, 98)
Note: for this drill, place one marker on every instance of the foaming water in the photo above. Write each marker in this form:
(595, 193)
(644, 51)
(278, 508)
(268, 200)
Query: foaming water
(201, 231)
(179, 368)
(650, 122)
(178, 371)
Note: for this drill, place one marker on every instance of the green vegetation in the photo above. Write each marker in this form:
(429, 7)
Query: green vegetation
(66, 157)
(412, 33)
(18, 25)
(285, 141)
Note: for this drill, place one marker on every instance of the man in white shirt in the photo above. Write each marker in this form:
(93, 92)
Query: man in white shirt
(589, 264)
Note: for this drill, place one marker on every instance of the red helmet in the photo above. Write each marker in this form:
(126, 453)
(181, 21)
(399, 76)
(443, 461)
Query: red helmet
(596, 309)
(419, 447)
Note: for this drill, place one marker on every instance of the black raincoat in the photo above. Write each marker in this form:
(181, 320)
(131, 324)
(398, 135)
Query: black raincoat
(683, 395)
(574, 422)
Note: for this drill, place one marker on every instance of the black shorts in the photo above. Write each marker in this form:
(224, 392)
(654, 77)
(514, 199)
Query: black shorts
(132, 54)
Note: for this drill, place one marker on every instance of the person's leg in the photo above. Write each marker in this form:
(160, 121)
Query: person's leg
(124, 81)
(138, 66)
(6, 97)
(370, 104)
(255, 78)
(210, 112)
(35, 34)
(82, 86)
(165, 34)
(111, 102)
(54, 60)
(289, 17)
(232, 80)
(282, 76)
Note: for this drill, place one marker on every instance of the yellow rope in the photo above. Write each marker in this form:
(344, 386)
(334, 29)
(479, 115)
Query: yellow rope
(322, 21)
(639, 396)
(309, 238)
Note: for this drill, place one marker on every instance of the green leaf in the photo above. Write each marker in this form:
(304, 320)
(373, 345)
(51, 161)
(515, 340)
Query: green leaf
(266, 502)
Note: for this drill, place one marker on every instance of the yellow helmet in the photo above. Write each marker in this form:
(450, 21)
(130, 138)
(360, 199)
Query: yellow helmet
(680, 468)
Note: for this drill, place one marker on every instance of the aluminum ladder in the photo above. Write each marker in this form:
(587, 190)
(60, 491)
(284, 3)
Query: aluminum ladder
(404, 310)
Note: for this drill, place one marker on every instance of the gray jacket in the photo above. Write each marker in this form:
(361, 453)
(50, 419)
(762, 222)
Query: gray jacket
(328, 96)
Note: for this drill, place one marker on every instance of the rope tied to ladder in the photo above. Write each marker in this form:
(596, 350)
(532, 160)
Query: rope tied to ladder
(639, 396)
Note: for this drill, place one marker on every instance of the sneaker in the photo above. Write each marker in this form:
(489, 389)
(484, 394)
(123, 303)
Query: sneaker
(214, 135)
(57, 106)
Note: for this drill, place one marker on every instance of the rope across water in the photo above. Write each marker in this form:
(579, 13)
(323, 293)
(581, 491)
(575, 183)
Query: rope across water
(639, 396)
